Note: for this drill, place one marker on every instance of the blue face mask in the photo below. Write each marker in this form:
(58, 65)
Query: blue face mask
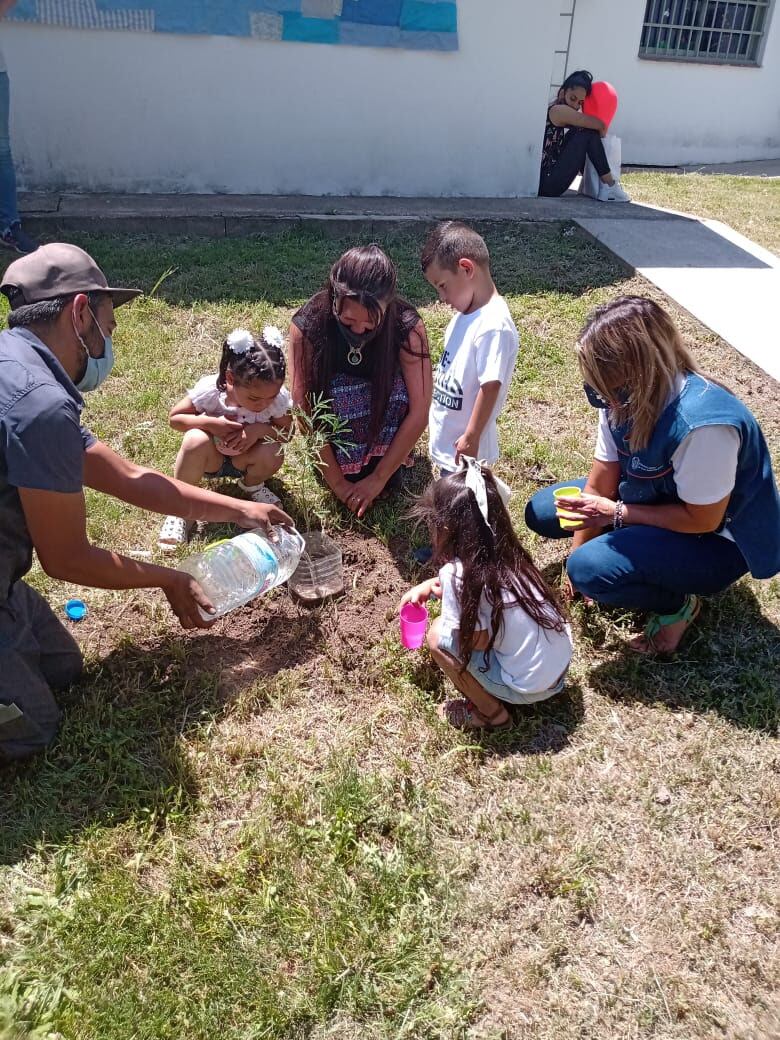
(97, 369)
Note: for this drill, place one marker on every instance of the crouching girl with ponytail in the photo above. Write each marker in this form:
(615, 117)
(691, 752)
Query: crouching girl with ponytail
(501, 637)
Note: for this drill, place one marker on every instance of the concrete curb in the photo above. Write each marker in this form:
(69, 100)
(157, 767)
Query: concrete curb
(221, 216)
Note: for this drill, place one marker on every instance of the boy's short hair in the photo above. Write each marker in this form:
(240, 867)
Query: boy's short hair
(450, 242)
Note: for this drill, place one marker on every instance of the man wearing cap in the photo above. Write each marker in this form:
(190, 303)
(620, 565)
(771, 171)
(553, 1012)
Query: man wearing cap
(59, 345)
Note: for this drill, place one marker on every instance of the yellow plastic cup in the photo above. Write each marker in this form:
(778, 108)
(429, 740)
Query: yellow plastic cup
(567, 519)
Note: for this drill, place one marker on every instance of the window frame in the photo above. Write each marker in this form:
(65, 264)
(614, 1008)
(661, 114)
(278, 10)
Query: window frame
(700, 58)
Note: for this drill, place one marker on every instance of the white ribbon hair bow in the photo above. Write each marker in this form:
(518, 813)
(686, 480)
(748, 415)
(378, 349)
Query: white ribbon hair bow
(273, 337)
(240, 341)
(475, 481)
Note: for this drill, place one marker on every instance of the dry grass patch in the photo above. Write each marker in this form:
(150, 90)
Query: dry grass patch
(751, 205)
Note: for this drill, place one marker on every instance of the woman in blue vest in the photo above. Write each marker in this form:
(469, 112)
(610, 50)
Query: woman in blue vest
(680, 501)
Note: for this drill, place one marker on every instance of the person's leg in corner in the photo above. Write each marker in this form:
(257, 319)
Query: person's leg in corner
(11, 234)
(37, 655)
(60, 657)
(8, 212)
(540, 515)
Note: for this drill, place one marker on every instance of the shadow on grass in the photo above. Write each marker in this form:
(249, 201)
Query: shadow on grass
(537, 729)
(729, 664)
(119, 755)
(540, 729)
(284, 269)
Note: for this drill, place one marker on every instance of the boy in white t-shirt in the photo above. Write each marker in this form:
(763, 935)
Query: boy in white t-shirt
(480, 348)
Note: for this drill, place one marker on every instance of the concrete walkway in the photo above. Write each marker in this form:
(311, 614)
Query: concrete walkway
(720, 277)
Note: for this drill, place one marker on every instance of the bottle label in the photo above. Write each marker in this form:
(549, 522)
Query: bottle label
(258, 550)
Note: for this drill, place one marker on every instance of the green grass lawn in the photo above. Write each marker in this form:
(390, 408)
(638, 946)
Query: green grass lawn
(264, 832)
(751, 205)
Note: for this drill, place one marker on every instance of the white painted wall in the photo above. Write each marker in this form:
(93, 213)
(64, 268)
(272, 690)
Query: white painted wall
(562, 38)
(677, 112)
(130, 112)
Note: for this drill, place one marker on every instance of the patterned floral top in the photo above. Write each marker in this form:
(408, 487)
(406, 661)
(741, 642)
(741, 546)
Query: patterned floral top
(553, 143)
(350, 388)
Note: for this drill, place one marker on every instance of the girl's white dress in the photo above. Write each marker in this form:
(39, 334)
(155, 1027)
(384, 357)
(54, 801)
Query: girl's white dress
(530, 658)
(208, 399)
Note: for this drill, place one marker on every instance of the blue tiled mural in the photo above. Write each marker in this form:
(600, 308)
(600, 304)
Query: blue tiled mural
(416, 24)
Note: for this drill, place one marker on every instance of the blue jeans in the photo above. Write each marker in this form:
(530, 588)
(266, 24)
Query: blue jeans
(9, 214)
(639, 567)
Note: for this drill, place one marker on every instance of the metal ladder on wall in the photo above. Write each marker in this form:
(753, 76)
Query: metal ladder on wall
(561, 54)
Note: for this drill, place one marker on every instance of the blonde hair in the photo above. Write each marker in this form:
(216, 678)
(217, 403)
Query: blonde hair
(633, 345)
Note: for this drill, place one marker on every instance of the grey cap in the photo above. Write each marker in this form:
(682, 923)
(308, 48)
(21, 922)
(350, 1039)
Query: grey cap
(57, 269)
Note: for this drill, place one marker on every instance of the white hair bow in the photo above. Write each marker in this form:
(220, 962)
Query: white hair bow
(273, 337)
(475, 481)
(240, 341)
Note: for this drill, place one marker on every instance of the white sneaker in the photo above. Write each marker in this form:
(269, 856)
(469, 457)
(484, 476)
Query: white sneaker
(174, 532)
(260, 493)
(613, 193)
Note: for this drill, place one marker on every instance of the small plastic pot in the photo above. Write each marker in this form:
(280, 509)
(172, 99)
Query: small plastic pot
(320, 574)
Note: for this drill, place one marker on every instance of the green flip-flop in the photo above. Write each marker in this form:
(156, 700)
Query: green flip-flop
(689, 611)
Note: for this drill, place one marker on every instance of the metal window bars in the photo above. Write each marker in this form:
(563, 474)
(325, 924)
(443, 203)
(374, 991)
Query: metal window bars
(709, 31)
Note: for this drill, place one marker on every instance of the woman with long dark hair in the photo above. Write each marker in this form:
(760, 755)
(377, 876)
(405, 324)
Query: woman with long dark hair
(571, 137)
(680, 501)
(501, 637)
(359, 346)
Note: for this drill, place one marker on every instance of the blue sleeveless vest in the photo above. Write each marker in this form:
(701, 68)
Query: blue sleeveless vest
(753, 513)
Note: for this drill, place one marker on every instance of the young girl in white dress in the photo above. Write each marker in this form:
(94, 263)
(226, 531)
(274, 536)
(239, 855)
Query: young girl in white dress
(235, 422)
(501, 638)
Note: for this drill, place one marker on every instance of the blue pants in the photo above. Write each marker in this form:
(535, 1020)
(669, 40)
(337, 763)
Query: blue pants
(9, 214)
(639, 567)
(37, 655)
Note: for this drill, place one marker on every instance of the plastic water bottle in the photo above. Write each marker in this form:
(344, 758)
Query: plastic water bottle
(235, 571)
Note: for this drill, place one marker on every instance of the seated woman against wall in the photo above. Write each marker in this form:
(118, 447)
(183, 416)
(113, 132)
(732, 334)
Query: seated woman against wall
(680, 501)
(357, 344)
(571, 137)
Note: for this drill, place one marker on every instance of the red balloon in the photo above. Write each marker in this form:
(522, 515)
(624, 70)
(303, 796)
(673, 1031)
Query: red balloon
(602, 102)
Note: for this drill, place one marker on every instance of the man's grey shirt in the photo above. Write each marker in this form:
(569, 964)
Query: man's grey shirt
(42, 441)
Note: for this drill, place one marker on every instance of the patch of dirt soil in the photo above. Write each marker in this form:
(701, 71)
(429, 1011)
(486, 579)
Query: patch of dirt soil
(277, 632)
(273, 632)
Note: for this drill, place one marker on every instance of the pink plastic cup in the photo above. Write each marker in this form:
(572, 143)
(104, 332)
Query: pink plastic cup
(414, 621)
